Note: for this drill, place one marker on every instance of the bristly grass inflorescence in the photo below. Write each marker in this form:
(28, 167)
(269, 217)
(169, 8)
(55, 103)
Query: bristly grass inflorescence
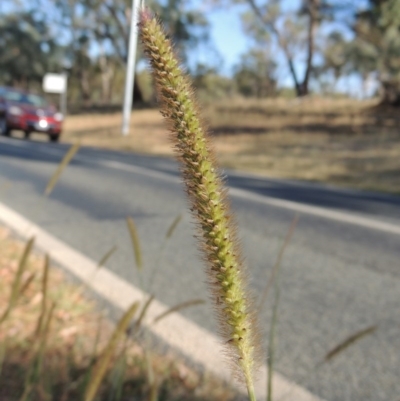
(208, 200)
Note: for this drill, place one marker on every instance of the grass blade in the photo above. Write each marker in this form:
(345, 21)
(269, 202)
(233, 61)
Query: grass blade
(43, 339)
(173, 226)
(34, 374)
(135, 242)
(278, 262)
(101, 366)
(271, 341)
(25, 285)
(143, 313)
(349, 341)
(60, 168)
(16, 286)
(168, 235)
(93, 356)
(154, 390)
(3, 349)
(107, 256)
(45, 280)
(274, 280)
(117, 379)
(177, 308)
(96, 340)
(151, 379)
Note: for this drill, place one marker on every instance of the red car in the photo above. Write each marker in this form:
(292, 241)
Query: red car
(20, 110)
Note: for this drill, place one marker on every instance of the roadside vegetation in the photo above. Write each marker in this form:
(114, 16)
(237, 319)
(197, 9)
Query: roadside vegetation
(53, 336)
(344, 142)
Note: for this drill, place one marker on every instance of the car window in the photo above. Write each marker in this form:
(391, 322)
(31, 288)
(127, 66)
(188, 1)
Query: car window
(36, 100)
(25, 98)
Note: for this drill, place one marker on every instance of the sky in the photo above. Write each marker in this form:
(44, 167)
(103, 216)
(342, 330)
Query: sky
(227, 36)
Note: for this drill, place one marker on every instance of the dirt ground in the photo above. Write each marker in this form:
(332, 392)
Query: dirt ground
(343, 142)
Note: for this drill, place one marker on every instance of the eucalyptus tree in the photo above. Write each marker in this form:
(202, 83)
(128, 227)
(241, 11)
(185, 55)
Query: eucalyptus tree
(295, 28)
(376, 47)
(254, 74)
(294, 31)
(336, 51)
(27, 50)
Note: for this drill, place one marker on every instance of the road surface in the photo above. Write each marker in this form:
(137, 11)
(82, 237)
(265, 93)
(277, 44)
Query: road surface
(340, 273)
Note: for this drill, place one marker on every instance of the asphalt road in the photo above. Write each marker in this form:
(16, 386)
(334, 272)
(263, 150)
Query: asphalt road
(340, 272)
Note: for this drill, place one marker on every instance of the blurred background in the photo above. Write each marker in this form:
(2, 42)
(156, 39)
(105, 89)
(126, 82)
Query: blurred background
(301, 89)
(252, 49)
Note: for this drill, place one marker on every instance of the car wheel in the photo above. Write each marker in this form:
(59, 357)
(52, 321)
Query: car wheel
(4, 129)
(54, 138)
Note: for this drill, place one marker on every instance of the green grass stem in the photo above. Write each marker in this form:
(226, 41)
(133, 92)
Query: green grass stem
(209, 205)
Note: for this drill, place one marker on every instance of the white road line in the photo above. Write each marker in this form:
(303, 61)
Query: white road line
(199, 345)
(329, 214)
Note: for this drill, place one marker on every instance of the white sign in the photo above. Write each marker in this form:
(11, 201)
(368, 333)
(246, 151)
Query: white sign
(55, 83)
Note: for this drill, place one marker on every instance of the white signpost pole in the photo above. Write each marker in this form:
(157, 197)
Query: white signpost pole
(63, 99)
(130, 68)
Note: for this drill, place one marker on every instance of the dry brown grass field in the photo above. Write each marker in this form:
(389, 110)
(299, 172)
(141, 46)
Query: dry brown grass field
(75, 338)
(342, 142)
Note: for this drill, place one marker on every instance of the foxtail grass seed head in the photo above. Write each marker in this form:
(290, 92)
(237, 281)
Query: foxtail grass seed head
(207, 197)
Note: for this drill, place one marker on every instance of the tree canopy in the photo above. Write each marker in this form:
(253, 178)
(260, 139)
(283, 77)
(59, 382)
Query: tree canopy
(314, 42)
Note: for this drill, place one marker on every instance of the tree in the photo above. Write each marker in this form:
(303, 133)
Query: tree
(376, 47)
(27, 50)
(209, 84)
(286, 28)
(253, 76)
(109, 23)
(336, 52)
(296, 31)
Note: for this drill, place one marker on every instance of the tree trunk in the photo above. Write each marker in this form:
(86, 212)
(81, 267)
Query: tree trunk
(391, 93)
(137, 92)
(313, 12)
(84, 87)
(107, 73)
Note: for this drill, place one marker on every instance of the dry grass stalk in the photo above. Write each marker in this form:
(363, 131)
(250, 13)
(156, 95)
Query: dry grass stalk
(34, 377)
(16, 286)
(349, 341)
(167, 237)
(173, 226)
(45, 281)
(26, 284)
(135, 242)
(176, 308)
(60, 168)
(142, 315)
(107, 256)
(208, 201)
(278, 262)
(103, 362)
